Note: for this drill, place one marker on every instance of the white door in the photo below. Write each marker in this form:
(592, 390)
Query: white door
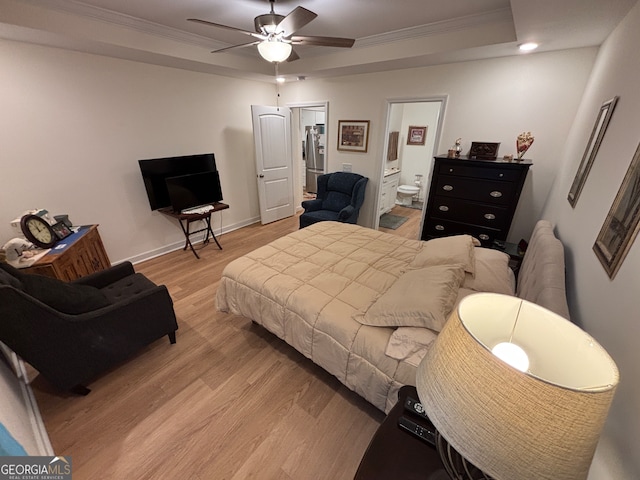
(274, 165)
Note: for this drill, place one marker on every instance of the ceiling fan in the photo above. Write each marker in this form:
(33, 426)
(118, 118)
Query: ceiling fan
(275, 34)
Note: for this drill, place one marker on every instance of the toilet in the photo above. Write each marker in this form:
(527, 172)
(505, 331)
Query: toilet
(405, 194)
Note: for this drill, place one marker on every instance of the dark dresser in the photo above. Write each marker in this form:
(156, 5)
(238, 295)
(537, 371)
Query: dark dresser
(477, 197)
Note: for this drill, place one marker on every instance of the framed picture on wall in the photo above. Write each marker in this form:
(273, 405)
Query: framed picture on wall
(353, 135)
(597, 134)
(416, 135)
(621, 225)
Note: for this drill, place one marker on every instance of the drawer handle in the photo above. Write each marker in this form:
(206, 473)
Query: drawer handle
(443, 208)
(489, 216)
(484, 236)
(439, 228)
(496, 194)
(501, 175)
(451, 170)
(448, 188)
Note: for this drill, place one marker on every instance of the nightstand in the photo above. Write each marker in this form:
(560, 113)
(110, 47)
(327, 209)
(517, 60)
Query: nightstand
(394, 453)
(511, 249)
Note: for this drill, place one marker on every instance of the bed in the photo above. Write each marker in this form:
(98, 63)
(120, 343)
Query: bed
(365, 305)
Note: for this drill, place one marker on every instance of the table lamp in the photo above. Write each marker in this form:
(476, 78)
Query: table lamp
(515, 391)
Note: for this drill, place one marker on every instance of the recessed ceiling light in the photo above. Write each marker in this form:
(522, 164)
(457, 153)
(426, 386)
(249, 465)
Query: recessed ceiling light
(528, 47)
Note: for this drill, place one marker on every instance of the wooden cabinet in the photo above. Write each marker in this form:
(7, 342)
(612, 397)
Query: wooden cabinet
(477, 197)
(76, 256)
(388, 192)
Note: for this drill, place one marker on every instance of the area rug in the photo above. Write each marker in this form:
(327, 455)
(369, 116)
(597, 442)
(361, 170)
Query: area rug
(388, 220)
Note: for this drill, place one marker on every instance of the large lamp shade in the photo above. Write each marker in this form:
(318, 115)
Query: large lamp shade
(540, 423)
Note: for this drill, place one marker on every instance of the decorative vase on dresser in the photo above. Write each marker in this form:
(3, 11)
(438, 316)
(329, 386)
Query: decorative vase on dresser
(476, 197)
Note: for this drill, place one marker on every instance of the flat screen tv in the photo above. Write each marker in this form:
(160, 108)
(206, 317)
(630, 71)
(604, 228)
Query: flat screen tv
(188, 191)
(155, 171)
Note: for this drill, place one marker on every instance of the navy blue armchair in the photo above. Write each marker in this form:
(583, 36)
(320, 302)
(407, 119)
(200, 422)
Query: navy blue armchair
(339, 198)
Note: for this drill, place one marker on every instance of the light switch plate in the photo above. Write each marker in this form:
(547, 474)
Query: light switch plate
(346, 167)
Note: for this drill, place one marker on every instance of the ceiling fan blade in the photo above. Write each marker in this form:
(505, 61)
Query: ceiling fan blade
(293, 57)
(297, 19)
(322, 41)
(235, 46)
(219, 25)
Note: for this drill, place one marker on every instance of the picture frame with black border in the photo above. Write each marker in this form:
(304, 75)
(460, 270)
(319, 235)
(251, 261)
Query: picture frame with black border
(353, 135)
(61, 230)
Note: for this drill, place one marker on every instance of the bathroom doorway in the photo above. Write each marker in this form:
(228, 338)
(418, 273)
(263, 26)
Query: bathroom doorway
(412, 139)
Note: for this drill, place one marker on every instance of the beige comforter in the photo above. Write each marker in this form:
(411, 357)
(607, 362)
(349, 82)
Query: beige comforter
(314, 287)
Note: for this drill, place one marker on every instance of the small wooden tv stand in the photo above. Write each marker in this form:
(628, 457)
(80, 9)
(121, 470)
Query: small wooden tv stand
(186, 219)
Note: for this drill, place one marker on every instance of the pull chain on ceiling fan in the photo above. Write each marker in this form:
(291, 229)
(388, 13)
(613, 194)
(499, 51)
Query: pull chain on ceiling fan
(275, 34)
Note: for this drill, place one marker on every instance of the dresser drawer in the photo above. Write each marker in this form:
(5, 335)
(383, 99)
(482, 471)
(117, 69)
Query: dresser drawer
(486, 215)
(489, 173)
(486, 191)
(443, 228)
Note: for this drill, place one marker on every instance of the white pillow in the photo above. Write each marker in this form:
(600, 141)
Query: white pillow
(493, 273)
(454, 250)
(406, 341)
(419, 298)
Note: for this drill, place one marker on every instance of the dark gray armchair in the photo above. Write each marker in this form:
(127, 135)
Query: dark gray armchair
(339, 198)
(72, 332)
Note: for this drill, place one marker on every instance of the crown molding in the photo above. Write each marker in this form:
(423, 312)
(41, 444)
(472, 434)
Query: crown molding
(127, 21)
(437, 28)
(144, 26)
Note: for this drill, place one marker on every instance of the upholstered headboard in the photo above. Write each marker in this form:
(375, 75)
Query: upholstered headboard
(541, 278)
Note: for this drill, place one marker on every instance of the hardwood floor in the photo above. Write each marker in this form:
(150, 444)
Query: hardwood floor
(410, 228)
(228, 401)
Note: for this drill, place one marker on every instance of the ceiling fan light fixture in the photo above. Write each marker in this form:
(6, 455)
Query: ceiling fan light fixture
(267, 23)
(274, 50)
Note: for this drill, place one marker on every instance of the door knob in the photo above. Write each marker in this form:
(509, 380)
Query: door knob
(261, 176)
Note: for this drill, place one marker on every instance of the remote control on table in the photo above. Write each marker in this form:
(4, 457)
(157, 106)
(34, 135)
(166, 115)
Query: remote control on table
(414, 406)
(425, 434)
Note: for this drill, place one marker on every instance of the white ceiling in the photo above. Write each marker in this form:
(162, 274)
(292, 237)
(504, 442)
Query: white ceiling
(389, 35)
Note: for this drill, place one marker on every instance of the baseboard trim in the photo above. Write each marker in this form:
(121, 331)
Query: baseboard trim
(142, 257)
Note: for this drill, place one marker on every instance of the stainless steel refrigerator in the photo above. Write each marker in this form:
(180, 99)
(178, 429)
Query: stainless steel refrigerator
(314, 155)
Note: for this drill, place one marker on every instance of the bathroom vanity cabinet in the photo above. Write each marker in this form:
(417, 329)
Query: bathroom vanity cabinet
(388, 191)
(476, 197)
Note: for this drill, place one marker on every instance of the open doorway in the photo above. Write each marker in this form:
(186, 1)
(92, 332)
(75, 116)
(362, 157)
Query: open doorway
(309, 122)
(412, 138)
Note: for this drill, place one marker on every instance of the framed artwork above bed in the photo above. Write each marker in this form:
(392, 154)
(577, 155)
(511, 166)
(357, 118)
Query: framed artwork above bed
(623, 220)
(593, 145)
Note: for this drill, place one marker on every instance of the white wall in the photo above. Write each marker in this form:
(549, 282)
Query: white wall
(489, 100)
(74, 125)
(606, 308)
(418, 159)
